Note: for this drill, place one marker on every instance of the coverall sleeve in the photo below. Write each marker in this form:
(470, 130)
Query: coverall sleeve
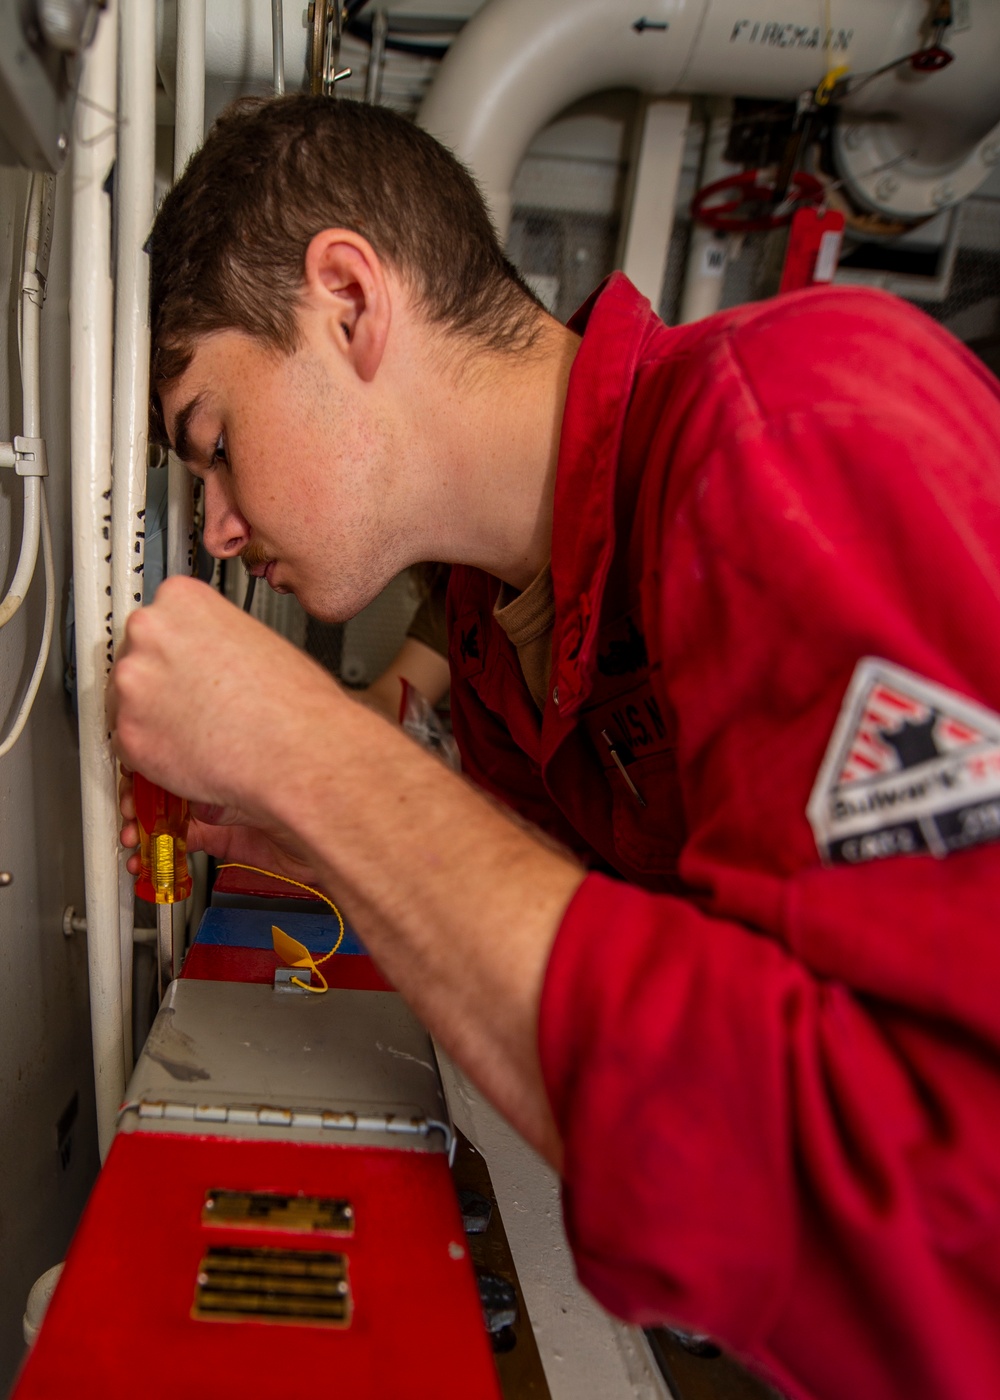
(778, 1096)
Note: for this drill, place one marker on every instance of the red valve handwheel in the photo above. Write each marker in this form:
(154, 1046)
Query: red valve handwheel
(932, 60)
(748, 188)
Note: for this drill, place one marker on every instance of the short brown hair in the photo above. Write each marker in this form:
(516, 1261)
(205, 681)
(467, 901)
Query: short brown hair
(229, 242)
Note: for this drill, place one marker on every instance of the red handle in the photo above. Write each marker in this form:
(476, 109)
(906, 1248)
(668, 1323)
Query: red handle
(163, 825)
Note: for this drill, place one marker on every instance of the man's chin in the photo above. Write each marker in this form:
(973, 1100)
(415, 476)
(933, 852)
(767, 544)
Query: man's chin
(321, 609)
(327, 606)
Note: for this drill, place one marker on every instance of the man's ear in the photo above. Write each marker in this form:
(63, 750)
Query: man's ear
(346, 283)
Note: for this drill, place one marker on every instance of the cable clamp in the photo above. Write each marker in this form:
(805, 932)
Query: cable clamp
(30, 457)
(33, 285)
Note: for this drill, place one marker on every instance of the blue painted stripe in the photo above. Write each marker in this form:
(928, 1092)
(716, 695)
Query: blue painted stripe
(251, 928)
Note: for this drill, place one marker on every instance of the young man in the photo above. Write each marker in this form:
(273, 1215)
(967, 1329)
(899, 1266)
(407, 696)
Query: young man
(722, 624)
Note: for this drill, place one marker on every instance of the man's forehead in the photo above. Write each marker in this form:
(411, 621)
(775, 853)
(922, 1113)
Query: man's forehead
(193, 390)
(179, 418)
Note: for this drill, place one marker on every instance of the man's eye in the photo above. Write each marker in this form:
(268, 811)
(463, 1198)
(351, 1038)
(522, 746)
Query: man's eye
(219, 451)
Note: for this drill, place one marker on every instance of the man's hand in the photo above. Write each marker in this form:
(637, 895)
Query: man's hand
(222, 833)
(207, 701)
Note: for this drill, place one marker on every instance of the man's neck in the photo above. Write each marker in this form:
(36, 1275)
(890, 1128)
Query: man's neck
(487, 450)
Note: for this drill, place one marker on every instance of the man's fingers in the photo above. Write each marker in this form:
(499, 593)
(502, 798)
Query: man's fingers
(126, 796)
(214, 815)
(129, 835)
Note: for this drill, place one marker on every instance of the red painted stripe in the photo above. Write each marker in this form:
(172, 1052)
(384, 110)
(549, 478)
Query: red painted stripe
(214, 962)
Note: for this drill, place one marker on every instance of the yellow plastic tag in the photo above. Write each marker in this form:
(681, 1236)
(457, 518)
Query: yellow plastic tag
(290, 950)
(296, 954)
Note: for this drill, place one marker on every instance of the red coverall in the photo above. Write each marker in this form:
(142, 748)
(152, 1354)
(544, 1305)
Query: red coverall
(777, 1078)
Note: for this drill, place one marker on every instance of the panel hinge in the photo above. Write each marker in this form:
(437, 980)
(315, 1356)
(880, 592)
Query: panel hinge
(269, 1116)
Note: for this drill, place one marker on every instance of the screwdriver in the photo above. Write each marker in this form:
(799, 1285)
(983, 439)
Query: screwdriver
(163, 878)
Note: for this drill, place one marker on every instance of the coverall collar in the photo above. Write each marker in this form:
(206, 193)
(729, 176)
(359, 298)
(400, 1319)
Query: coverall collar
(615, 322)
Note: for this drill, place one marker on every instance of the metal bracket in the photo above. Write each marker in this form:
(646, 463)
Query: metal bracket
(30, 458)
(284, 980)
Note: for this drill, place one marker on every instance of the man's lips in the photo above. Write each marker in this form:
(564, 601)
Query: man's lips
(265, 570)
(269, 577)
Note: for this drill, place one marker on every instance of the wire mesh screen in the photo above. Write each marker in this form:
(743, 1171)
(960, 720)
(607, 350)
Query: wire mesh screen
(970, 308)
(562, 256)
(371, 639)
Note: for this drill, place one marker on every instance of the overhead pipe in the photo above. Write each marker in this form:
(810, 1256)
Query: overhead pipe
(91, 319)
(134, 207)
(518, 63)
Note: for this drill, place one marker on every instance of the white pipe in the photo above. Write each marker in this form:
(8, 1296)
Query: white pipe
(26, 559)
(21, 718)
(655, 175)
(278, 47)
(708, 250)
(91, 298)
(32, 295)
(134, 207)
(518, 63)
(189, 118)
(37, 215)
(189, 132)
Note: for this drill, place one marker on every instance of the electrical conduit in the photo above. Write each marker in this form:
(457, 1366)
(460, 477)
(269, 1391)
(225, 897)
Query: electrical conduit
(135, 204)
(91, 299)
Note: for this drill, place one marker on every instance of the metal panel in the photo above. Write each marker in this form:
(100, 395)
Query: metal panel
(124, 1320)
(253, 1062)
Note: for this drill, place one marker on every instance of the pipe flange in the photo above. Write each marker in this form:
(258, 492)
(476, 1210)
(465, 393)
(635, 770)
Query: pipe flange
(881, 173)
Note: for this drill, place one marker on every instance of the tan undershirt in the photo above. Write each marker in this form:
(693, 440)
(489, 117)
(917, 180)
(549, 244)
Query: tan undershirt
(528, 619)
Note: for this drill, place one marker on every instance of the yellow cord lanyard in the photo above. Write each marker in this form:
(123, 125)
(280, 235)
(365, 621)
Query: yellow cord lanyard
(290, 950)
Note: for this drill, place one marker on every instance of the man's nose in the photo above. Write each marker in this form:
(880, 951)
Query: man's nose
(226, 531)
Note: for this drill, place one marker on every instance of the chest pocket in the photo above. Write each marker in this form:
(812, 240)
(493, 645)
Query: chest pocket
(634, 744)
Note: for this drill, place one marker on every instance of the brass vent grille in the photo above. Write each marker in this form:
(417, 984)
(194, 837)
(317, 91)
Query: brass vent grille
(273, 1285)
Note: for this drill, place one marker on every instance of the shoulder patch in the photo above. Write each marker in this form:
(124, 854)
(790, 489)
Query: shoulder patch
(911, 766)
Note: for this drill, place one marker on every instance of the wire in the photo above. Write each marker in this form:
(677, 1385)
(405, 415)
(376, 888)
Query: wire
(257, 870)
(247, 605)
(43, 651)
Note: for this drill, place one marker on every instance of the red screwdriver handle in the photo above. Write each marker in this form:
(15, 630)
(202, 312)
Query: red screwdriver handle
(163, 825)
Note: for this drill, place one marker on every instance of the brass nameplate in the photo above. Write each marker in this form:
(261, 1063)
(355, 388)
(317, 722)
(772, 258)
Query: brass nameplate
(266, 1210)
(299, 1286)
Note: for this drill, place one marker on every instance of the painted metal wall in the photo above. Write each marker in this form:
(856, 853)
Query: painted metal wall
(48, 1147)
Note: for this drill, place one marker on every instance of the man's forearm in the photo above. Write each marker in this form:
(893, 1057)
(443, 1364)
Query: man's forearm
(458, 904)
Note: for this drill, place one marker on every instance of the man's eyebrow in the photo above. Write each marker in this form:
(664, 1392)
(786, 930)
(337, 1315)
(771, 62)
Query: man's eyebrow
(182, 423)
